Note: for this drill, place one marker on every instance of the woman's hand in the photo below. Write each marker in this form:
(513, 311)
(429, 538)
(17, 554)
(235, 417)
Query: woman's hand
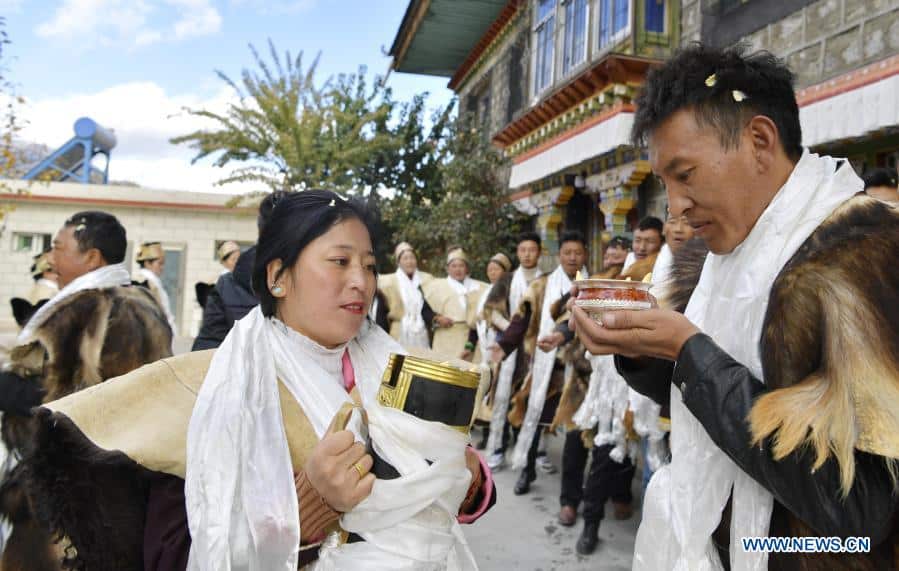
(657, 333)
(331, 469)
(473, 463)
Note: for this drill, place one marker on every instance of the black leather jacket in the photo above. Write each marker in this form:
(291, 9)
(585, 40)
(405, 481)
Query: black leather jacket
(720, 392)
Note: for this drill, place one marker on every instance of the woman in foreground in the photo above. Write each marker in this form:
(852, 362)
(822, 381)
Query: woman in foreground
(227, 459)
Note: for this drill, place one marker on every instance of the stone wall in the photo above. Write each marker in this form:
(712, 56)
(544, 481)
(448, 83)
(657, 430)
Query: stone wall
(824, 39)
(504, 75)
(832, 37)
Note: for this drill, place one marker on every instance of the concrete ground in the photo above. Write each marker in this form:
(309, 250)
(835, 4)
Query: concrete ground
(521, 532)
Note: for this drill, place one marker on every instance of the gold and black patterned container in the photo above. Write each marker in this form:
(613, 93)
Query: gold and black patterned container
(430, 391)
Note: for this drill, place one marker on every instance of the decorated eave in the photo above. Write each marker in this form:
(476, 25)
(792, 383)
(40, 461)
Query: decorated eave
(583, 94)
(494, 36)
(436, 36)
(852, 107)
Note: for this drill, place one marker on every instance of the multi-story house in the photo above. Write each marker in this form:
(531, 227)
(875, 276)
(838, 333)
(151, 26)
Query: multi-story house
(551, 82)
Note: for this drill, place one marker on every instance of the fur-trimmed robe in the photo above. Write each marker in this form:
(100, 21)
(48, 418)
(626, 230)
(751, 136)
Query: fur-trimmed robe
(497, 314)
(92, 336)
(518, 405)
(830, 354)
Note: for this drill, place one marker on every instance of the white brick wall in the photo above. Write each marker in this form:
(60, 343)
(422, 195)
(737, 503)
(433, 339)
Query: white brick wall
(194, 230)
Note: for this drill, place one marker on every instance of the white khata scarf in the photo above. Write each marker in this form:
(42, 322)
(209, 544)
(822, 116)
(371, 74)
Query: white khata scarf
(241, 500)
(682, 510)
(414, 333)
(163, 296)
(503, 392)
(49, 284)
(557, 285)
(108, 276)
(646, 411)
(462, 289)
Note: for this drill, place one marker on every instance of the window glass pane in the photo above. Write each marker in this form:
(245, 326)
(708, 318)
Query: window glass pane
(621, 15)
(605, 21)
(575, 33)
(655, 16)
(580, 34)
(545, 8)
(544, 63)
(24, 242)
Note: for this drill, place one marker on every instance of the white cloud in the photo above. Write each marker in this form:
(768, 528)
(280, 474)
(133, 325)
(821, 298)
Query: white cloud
(278, 6)
(11, 6)
(131, 22)
(197, 18)
(144, 118)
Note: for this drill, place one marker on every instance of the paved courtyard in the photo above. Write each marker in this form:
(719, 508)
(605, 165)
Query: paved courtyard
(521, 532)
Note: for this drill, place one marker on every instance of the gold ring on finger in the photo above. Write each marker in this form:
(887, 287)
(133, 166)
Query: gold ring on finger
(358, 467)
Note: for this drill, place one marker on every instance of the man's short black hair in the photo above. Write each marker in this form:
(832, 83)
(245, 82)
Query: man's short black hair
(651, 223)
(705, 79)
(529, 237)
(100, 230)
(881, 177)
(572, 236)
(620, 242)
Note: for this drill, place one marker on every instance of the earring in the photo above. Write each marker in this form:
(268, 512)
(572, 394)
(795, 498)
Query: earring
(277, 289)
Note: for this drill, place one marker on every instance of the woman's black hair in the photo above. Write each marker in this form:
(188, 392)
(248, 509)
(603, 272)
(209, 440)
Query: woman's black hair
(295, 221)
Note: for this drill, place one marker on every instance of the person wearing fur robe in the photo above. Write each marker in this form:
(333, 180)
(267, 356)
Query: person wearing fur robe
(593, 411)
(46, 283)
(504, 298)
(45, 287)
(98, 326)
(454, 300)
(534, 406)
(781, 374)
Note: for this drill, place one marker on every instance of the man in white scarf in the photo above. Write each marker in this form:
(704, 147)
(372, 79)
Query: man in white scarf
(531, 326)
(454, 300)
(528, 252)
(646, 413)
(723, 134)
(151, 259)
(87, 330)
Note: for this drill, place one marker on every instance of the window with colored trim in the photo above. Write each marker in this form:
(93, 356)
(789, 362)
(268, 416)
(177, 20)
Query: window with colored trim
(544, 44)
(614, 21)
(574, 50)
(655, 15)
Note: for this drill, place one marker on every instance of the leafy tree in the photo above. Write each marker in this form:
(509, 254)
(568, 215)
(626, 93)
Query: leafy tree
(469, 210)
(286, 132)
(10, 124)
(429, 180)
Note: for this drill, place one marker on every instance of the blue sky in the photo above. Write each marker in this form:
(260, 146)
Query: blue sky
(133, 64)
